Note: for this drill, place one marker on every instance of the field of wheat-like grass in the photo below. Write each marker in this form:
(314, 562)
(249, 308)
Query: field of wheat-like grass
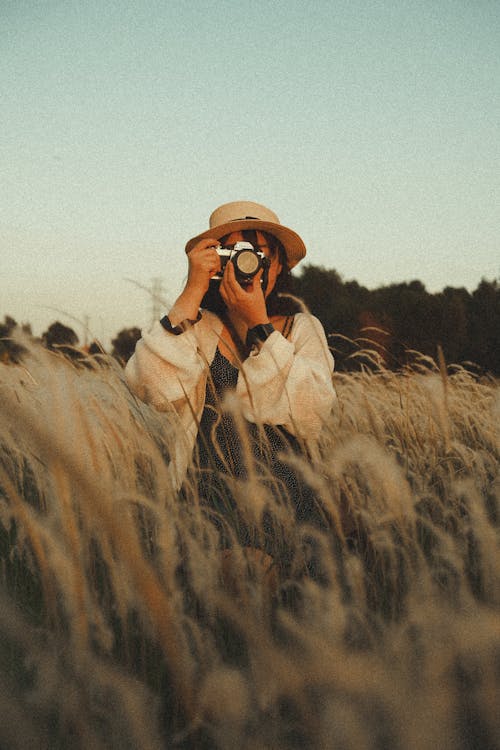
(123, 625)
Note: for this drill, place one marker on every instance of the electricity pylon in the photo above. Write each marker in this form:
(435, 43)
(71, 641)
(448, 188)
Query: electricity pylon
(157, 302)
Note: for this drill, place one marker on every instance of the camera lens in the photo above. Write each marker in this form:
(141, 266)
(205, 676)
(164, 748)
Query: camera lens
(247, 263)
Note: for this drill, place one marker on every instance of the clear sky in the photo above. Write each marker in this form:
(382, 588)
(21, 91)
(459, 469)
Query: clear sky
(371, 128)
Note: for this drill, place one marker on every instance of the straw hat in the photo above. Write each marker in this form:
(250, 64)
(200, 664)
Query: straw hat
(240, 215)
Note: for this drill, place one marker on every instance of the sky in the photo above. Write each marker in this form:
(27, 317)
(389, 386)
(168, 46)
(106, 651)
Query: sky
(371, 128)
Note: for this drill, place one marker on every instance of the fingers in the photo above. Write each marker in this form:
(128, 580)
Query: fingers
(229, 279)
(258, 277)
(203, 244)
(204, 262)
(204, 253)
(247, 301)
(224, 287)
(230, 288)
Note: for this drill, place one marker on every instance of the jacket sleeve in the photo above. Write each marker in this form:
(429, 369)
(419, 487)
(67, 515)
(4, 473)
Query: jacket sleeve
(165, 370)
(288, 382)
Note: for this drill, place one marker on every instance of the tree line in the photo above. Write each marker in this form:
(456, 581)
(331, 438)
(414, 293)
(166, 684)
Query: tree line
(399, 319)
(393, 321)
(63, 340)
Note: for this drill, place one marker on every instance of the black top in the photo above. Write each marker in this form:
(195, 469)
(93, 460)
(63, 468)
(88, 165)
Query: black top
(220, 441)
(224, 448)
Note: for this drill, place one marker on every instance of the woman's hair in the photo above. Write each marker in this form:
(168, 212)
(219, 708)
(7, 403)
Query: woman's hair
(284, 285)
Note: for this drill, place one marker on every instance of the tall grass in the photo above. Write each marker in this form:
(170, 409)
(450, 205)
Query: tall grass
(122, 625)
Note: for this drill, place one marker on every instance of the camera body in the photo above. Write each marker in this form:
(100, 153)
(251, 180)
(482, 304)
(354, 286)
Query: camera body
(247, 262)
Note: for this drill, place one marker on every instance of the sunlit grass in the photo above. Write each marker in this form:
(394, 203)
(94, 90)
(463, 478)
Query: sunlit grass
(123, 625)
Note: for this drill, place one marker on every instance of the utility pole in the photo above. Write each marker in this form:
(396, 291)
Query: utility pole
(86, 323)
(157, 303)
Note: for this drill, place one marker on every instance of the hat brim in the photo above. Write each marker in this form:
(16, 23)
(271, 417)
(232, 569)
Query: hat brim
(294, 247)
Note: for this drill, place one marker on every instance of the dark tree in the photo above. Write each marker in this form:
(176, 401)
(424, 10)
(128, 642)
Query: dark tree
(10, 350)
(124, 344)
(454, 332)
(485, 325)
(320, 289)
(95, 348)
(466, 326)
(60, 338)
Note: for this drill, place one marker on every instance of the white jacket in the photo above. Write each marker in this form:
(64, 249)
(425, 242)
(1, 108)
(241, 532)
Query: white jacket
(287, 382)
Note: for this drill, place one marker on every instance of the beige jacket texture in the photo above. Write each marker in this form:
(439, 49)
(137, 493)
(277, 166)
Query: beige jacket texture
(288, 382)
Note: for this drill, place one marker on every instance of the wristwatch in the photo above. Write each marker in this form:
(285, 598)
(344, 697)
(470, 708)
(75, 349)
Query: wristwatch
(258, 334)
(177, 330)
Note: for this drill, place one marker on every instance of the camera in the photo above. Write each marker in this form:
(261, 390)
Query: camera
(247, 262)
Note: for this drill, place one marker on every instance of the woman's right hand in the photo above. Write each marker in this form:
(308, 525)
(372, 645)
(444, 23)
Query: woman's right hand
(204, 262)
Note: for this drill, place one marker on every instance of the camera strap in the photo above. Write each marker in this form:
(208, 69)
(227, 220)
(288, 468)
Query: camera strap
(287, 326)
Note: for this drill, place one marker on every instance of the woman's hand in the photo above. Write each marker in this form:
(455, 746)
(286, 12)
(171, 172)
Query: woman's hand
(204, 262)
(247, 302)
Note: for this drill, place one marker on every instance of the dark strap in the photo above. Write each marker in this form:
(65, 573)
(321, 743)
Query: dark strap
(288, 325)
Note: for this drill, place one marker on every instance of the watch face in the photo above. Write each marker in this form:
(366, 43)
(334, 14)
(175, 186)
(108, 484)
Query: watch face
(259, 333)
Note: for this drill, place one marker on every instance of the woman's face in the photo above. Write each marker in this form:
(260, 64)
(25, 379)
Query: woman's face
(274, 268)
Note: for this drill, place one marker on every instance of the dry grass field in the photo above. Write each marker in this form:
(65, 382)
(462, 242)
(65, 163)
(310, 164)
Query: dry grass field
(123, 626)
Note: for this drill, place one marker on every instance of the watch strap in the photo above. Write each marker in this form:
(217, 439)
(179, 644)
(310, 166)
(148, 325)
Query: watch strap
(178, 329)
(258, 334)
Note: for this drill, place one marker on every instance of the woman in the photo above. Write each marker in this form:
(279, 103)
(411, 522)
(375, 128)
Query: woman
(229, 336)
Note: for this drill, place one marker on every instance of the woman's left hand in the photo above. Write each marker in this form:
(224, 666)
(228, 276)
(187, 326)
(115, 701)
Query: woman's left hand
(248, 302)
